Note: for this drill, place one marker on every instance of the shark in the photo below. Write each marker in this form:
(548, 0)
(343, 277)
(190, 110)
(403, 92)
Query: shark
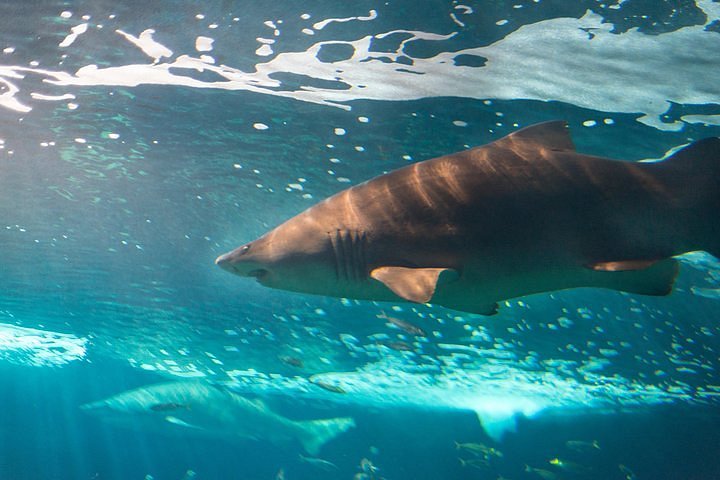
(213, 410)
(522, 215)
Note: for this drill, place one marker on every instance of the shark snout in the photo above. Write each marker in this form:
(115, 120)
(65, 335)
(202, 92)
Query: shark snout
(234, 262)
(224, 261)
(96, 408)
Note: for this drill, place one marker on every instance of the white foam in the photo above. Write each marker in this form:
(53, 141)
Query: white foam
(204, 44)
(147, 44)
(264, 50)
(76, 32)
(52, 98)
(372, 15)
(626, 72)
(704, 119)
(39, 348)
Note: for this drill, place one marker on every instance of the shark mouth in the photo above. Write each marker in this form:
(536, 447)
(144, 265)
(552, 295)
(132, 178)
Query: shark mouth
(260, 274)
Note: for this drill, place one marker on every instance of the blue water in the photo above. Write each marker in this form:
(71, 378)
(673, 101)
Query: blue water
(140, 140)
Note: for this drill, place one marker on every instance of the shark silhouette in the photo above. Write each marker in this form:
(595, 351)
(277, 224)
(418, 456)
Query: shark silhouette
(521, 215)
(212, 410)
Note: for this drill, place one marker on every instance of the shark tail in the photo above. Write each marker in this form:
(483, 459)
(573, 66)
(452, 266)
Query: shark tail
(316, 433)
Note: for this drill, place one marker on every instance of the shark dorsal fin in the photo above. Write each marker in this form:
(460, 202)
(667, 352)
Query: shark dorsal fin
(550, 135)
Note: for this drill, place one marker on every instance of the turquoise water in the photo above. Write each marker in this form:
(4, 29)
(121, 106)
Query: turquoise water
(140, 140)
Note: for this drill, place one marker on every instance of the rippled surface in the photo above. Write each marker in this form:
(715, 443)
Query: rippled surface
(140, 140)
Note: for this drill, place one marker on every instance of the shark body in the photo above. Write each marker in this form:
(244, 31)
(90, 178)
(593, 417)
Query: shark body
(213, 410)
(522, 215)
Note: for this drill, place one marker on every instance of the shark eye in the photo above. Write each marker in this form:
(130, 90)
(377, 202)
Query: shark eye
(244, 249)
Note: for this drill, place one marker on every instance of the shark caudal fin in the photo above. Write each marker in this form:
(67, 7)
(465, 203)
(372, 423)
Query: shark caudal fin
(316, 433)
(696, 173)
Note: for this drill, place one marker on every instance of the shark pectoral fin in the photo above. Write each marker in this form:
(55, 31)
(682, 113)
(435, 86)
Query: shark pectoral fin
(182, 423)
(656, 279)
(414, 284)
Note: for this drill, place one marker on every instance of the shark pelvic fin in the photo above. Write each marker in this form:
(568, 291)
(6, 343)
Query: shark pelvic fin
(182, 423)
(655, 279)
(313, 434)
(414, 284)
(622, 266)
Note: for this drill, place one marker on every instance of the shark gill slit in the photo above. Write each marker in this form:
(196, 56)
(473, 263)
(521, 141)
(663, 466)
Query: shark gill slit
(336, 241)
(357, 240)
(349, 255)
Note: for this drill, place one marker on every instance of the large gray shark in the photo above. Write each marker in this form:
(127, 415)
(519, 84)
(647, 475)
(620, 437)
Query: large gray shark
(522, 215)
(212, 410)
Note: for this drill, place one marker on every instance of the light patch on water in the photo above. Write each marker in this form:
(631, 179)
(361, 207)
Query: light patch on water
(372, 15)
(39, 348)
(497, 393)
(704, 119)
(204, 44)
(52, 98)
(637, 72)
(75, 33)
(147, 44)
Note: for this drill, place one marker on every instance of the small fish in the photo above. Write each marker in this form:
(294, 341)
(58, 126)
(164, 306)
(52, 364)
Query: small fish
(399, 346)
(319, 463)
(582, 446)
(479, 449)
(367, 467)
(571, 467)
(479, 463)
(292, 361)
(544, 474)
(327, 386)
(168, 407)
(403, 325)
(629, 474)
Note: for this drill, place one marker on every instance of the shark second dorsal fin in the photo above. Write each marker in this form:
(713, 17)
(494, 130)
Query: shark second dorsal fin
(551, 135)
(413, 284)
